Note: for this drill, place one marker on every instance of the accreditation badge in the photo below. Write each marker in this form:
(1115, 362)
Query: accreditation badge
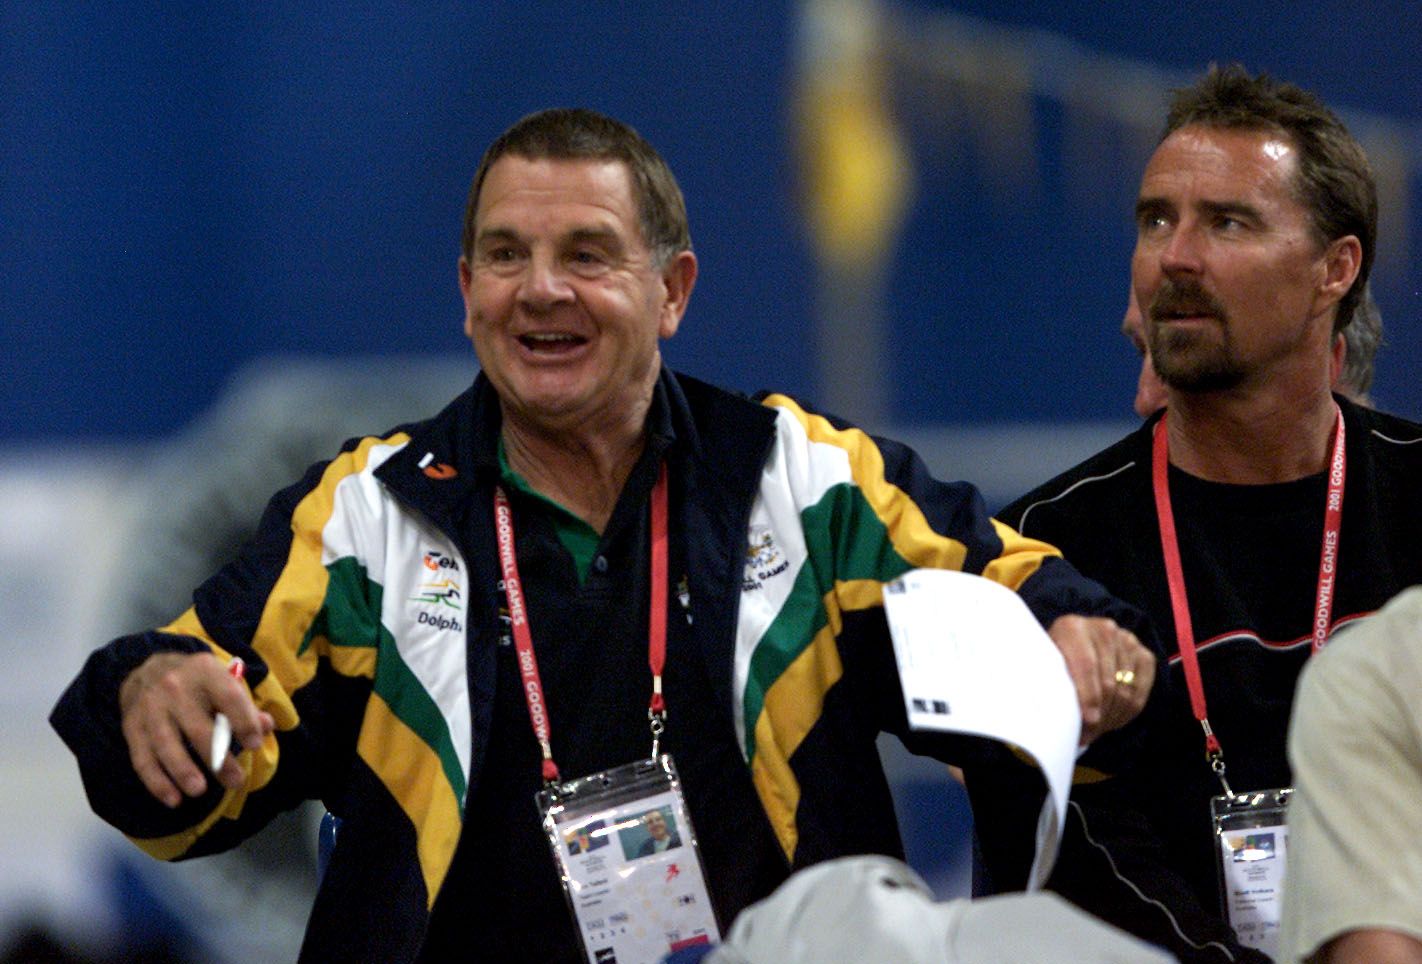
(627, 856)
(1252, 847)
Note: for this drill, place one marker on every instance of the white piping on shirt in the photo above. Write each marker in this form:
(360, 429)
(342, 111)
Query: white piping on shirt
(1175, 925)
(1022, 522)
(1396, 441)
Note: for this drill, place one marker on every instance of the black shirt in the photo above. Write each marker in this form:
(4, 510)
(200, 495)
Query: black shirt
(1139, 850)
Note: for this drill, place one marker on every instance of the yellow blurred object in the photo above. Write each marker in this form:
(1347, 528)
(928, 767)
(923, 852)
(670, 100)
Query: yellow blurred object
(856, 169)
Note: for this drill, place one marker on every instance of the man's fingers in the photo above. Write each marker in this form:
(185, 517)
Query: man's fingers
(249, 725)
(169, 704)
(1074, 640)
(145, 764)
(1113, 672)
(1131, 675)
(1133, 678)
(229, 772)
(159, 752)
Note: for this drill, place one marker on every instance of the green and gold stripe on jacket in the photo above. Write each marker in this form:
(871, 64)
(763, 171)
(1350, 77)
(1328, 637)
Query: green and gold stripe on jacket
(827, 531)
(363, 571)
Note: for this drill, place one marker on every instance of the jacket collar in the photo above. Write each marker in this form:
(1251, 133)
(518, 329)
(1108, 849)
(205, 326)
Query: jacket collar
(450, 457)
(453, 456)
(716, 444)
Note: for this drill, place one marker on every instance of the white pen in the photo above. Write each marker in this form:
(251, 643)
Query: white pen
(222, 726)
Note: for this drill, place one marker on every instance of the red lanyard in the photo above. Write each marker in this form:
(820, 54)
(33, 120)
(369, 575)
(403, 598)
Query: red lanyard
(1184, 631)
(523, 639)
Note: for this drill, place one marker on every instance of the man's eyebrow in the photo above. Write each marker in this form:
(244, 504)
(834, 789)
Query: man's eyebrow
(1151, 205)
(597, 235)
(1243, 208)
(495, 233)
(1147, 206)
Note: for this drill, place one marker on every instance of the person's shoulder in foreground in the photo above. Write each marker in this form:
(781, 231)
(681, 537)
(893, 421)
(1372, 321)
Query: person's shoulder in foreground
(1353, 890)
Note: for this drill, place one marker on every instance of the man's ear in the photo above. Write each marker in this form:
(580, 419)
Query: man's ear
(1342, 260)
(466, 290)
(678, 278)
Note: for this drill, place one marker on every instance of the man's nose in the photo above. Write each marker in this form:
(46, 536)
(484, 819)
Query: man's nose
(1182, 252)
(545, 284)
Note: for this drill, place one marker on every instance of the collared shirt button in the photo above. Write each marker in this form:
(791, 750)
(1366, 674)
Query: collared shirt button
(600, 563)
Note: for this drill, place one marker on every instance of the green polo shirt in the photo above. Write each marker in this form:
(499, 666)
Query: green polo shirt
(579, 538)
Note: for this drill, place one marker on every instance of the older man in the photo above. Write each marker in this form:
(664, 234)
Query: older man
(584, 560)
(1255, 516)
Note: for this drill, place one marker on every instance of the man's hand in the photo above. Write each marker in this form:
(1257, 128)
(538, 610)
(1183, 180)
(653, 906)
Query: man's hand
(1112, 670)
(168, 704)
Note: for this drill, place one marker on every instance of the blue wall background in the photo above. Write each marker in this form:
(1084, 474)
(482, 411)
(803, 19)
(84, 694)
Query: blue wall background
(186, 188)
(1031, 277)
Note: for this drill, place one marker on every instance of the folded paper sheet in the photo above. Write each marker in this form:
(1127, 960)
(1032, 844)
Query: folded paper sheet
(974, 660)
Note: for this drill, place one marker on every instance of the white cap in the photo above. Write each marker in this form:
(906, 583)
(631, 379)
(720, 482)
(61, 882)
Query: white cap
(874, 908)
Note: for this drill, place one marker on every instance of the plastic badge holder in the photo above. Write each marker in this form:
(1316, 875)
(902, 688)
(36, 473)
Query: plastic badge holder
(626, 852)
(1251, 850)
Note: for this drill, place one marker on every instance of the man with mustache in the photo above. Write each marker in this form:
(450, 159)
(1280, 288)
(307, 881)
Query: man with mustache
(1355, 348)
(1253, 517)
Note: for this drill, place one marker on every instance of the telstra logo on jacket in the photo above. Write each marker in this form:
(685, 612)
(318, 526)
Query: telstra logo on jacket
(443, 586)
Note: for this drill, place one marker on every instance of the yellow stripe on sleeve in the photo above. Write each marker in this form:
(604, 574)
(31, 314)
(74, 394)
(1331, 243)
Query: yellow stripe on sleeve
(1019, 559)
(412, 772)
(793, 705)
(912, 537)
(300, 590)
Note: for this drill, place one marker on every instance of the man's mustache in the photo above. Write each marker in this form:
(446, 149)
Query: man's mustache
(1180, 299)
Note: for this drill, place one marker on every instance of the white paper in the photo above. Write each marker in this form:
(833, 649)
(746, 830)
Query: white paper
(973, 659)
